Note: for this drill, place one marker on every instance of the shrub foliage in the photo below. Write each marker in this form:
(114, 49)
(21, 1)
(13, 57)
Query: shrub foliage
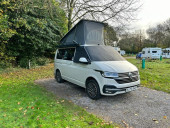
(30, 28)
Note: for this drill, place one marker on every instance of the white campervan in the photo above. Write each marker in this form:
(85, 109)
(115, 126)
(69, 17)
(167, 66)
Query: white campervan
(151, 53)
(90, 64)
(166, 53)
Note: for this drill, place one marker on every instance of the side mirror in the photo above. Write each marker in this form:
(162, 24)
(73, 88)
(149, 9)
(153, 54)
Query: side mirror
(83, 60)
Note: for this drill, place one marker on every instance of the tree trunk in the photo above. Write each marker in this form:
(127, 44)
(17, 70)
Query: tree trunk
(70, 13)
(69, 24)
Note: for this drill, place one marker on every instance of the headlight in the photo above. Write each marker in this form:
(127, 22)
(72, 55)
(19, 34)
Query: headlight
(109, 74)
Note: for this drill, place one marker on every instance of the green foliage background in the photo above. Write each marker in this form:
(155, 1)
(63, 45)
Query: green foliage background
(30, 29)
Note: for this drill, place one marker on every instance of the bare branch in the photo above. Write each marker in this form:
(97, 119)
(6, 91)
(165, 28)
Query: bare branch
(115, 11)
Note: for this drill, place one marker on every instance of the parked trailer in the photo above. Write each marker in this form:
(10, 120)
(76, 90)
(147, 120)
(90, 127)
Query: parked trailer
(117, 49)
(122, 52)
(151, 53)
(166, 53)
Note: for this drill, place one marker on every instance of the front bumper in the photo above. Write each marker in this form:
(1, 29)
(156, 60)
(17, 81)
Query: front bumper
(113, 90)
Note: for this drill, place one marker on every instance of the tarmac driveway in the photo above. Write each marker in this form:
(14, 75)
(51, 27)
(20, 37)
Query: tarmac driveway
(143, 108)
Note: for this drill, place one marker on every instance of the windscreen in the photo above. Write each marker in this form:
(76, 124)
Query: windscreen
(103, 53)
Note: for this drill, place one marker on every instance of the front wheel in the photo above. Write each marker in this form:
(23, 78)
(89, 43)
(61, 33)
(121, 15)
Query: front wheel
(93, 90)
(58, 77)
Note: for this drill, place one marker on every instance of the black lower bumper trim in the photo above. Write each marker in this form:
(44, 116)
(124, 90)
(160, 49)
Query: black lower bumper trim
(110, 89)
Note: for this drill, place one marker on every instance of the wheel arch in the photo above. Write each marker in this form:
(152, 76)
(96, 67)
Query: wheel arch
(90, 78)
(56, 71)
(98, 95)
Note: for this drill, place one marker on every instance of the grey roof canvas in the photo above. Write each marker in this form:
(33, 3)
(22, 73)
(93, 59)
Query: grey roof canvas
(85, 32)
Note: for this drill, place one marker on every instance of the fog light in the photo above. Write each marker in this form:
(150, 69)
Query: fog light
(109, 89)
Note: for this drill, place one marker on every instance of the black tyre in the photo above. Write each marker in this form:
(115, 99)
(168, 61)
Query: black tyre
(58, 77)
(93, 90)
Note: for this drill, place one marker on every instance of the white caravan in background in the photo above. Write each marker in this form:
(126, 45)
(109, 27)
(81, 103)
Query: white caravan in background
(166, 53)
(122, 52)
(117, 49)
(151, 53)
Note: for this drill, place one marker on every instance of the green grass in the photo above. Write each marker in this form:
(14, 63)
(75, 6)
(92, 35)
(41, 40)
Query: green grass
(156, 74)
(25, 104)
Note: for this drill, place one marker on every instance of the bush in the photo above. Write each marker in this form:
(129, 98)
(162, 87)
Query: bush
(4, 65)
(42, 61)
(24, 62)
(6, 62)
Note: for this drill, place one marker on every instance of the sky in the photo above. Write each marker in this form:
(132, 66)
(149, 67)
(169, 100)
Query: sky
(152, 12)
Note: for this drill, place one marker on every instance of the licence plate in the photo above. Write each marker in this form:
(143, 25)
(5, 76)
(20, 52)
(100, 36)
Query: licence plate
(131, 89)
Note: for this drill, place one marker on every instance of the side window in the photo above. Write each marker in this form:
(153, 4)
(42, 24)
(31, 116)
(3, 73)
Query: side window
(148, 51)
(69, 54)
(60, 53)
(143, 52)
(66, 54)
(154, 51)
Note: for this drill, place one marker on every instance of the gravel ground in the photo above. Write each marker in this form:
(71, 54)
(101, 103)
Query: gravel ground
(143, 108)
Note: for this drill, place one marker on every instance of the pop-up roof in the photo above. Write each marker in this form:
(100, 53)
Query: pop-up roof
(85, 32)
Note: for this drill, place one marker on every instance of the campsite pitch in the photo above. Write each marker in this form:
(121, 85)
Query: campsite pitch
(143, 108)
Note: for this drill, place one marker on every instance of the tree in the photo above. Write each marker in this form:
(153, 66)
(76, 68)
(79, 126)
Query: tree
(156, 34)
(132, 42)
(115, 11)
(139, 35)
(128, 43)
(109, 35)
(39, 25)
(167, 33)
(5, 33)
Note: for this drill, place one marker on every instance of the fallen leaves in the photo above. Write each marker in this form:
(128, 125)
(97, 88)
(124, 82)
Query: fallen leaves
(155, 120)
(27, 104)
(20, 108)
(126, 125)
(165, 117)
(90, 123)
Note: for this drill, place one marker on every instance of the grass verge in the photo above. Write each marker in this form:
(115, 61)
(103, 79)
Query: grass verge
(156, 74)
(24, 104)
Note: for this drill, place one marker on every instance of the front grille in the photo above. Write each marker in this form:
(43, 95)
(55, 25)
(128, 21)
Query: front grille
(127, 77)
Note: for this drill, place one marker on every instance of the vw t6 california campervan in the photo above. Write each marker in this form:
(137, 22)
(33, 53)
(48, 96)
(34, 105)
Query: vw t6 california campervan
(83, 59)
